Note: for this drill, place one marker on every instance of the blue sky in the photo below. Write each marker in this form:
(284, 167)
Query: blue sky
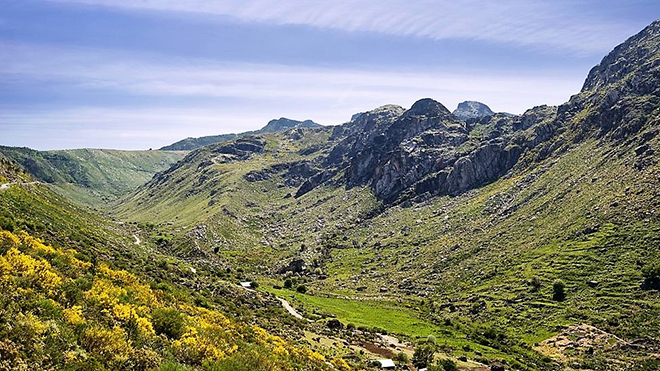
(135, 74)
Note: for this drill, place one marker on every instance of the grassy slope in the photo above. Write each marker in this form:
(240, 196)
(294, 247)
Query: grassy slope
(42, 213)
(89, 176)
(475, 251)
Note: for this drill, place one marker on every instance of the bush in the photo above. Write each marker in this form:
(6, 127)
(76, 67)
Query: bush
(423, 356)
(7, 224)
(402, 357)
(651, 273)
(446, 365)
(350, 326)
(254, 285)
(288, 284)
(301, 289)
(535, 282)
(558, 290)
(168, 322)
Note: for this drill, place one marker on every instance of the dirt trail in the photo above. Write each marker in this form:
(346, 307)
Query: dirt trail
(290, 309)
(137, 240)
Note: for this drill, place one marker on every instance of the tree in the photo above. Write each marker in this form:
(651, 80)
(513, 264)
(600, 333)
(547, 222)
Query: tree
(301, 289)
(535, 282)
(651, 273)
(558, 290)
(423, 356)
(288, 283)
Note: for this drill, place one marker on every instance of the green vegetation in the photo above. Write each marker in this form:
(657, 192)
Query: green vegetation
(93, 177)
(169, 322)
(558, 290)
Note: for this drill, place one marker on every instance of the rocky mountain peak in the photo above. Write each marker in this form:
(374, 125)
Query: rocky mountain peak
(472, 109)
(427, 107)
(638, 51)
(284, 123)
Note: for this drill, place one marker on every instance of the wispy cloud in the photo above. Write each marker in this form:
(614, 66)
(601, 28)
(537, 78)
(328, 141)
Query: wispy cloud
(230, 97)
(101, 69)
(536, 23)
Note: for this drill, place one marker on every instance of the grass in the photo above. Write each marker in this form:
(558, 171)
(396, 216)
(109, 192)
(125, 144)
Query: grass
(93, 177)
(370, 313)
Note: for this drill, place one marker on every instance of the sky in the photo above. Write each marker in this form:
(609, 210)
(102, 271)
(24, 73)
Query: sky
(139, 74)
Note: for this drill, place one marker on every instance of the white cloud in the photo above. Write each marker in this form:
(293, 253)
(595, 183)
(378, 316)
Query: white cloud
(537, 23)
(230, 97)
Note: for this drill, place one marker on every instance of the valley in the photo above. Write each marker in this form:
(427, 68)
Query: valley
(493, 241)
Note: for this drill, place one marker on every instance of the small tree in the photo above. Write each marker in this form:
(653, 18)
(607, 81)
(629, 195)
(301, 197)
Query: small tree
(558, 290)
(535, 282)
(423, 356)
(254, 285)
(288, 284)
(301, 289)
(402, 357)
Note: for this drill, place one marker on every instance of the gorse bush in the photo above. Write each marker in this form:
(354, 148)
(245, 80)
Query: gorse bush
(67, 313)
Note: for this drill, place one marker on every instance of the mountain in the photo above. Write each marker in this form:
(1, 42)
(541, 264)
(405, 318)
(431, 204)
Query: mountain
(524, 242)
(528, 240)
(471, 110)
(92, 175)
(273, 126)
(284, 123)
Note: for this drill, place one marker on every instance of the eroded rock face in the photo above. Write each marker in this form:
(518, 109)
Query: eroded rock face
(417, 142)
(426, 149)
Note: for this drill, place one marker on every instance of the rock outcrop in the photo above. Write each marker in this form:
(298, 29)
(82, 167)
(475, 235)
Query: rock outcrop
(472, 110)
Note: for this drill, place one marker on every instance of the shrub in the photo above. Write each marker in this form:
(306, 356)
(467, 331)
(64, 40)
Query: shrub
(254, 285)
(402, 357)
(651, 273)
(535, 282)
(446, 365)
(558, 290)
(168, 322)
(350, 326)
(7, 224)
(301, 289)
(423, 356)
(288, 283)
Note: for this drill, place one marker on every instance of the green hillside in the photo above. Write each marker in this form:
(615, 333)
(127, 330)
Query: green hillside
(90, 176)
(528, 242)
(531, 227)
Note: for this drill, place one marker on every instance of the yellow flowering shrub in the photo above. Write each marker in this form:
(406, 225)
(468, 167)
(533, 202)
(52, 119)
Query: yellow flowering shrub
(73, 315)
(138, 291)
(110, 344)
(36, 272)
(104, 309)
(109, 296)
(8, 240)
(340, 364)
